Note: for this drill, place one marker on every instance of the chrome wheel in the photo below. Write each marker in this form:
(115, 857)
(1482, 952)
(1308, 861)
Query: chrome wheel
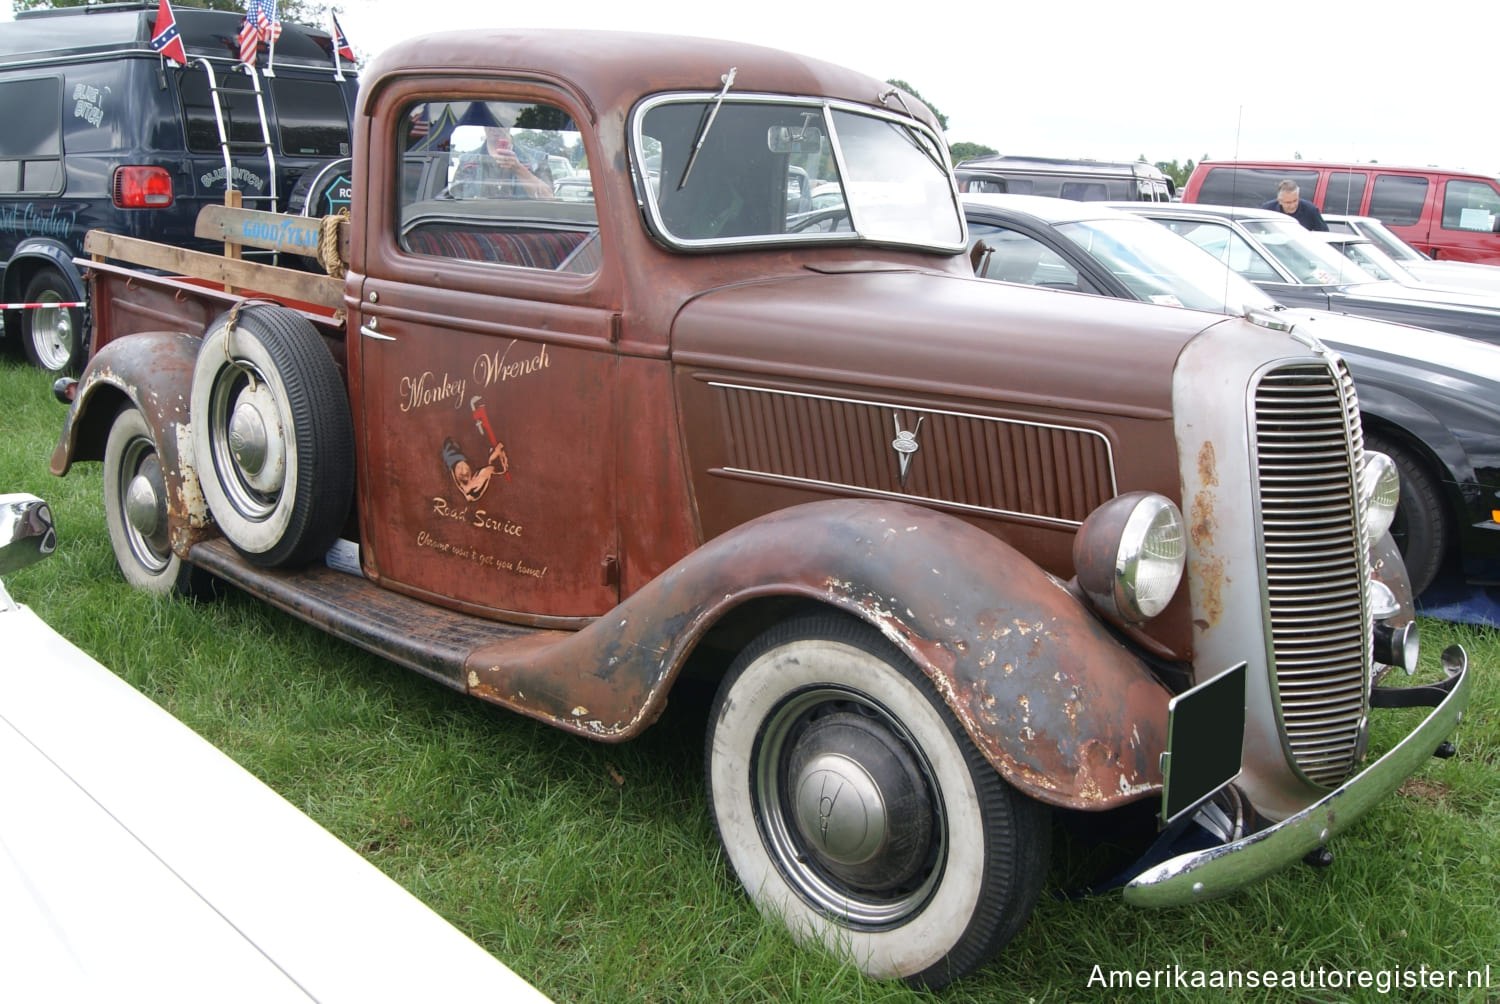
(52, 337)
(849, 807)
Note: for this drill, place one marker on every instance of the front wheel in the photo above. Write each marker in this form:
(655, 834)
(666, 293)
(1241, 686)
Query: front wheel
(1420, 528)
(854, 808)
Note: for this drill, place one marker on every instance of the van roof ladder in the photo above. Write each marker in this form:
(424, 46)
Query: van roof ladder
(270, 196)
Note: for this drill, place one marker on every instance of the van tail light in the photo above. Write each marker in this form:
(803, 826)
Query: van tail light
(142, 188)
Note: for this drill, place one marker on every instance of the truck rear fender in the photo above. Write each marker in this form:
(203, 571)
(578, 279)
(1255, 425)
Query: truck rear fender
(1056, 704)
(152, 372)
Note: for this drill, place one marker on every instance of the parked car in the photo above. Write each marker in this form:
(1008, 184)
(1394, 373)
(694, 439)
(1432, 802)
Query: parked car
(1444, 214)
(954, 554)
(102, 131)
(1085, 180)
(1435, 411)
(137, 862)
(1371, 257)
(1453, 274)
(1298, 269)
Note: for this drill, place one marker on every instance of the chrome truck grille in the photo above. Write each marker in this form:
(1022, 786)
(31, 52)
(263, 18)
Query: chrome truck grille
(1308, 449)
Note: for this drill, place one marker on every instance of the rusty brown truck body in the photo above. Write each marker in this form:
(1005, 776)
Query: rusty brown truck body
(970, 552)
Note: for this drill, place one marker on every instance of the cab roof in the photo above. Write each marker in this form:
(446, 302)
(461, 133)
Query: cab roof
(612, 70)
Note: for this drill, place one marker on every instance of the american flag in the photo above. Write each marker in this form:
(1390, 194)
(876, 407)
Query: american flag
(262, 24)
(420, 126)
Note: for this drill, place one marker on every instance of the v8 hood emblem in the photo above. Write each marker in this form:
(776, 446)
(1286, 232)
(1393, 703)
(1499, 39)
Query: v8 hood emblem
(905, 444)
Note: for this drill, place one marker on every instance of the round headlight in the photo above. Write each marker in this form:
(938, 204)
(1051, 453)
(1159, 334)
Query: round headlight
(1129, 555)
(1381, 486)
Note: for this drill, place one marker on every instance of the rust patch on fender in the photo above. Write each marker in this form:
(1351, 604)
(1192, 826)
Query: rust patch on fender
(1202, 521)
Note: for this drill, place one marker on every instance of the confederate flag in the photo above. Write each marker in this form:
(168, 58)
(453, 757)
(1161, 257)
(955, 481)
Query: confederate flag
(340, 40)
(167, 40)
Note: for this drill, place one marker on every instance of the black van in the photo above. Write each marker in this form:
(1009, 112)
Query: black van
(1079, 180)
(100, 132)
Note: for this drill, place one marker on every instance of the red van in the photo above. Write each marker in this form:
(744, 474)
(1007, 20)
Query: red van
(1444, 214)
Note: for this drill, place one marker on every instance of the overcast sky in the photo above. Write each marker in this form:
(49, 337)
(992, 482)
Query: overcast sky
(1329, 79)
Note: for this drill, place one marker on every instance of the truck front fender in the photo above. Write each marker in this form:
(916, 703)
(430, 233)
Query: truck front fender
(1057, 705)
(152, 372)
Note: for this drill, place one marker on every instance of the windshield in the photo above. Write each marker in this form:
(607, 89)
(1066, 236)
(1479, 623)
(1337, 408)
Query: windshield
(1308, 258)
(1375, 261)
(1159, 267)
(1390, 243)
(742, 170)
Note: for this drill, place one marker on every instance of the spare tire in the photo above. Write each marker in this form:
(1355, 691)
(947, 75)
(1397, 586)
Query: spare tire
(272, 436)
(325, 190)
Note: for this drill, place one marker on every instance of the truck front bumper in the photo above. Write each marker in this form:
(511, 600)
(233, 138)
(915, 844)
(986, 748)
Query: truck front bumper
(1203, 875)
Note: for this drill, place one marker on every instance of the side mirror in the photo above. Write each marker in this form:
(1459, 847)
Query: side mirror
(27, 534)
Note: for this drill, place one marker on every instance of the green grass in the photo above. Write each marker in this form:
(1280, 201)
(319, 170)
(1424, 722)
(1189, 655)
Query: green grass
(593, 870)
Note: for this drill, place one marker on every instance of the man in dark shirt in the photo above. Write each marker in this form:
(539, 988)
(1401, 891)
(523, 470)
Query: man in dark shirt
(1288, 200)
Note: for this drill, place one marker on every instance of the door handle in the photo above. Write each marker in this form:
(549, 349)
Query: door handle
(369, 330)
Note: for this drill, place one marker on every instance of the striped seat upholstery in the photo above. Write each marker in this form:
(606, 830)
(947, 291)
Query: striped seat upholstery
(544, 249)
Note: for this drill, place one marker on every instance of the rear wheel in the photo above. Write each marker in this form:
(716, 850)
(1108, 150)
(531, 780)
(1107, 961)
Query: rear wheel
(1421, 527)
(52, 337)
(272, 436)
(855, 809)
(135, 510)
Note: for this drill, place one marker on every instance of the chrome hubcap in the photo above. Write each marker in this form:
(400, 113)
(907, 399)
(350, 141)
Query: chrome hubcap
(143, 506)
(255, 440)
(849, 808)
(858, 799)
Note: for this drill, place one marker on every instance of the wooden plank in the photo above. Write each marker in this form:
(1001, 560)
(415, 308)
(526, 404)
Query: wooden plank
(322, 290)
(271, 231)
(232, 200)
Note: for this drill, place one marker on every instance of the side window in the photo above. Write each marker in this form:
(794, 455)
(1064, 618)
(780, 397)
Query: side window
(236, 102)
(310, 117)
(1229, 247)
(496, 182)
(1087, 191)
(1397, 198)
(31, 140)
(1345, 190)
(1016, 257)
(1251, 186)
(1470, 205)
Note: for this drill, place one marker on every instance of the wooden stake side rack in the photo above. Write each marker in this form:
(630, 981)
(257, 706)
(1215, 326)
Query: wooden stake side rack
(237, 228)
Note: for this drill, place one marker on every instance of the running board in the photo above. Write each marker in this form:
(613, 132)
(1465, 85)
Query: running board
(409, 632)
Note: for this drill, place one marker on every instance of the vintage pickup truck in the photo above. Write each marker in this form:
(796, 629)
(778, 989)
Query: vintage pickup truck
(959, 553)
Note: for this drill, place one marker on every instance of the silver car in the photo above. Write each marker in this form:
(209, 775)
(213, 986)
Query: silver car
(1469, 275)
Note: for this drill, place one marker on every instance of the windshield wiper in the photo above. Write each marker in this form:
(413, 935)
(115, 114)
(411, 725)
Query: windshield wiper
(705, 123)
(917, 138)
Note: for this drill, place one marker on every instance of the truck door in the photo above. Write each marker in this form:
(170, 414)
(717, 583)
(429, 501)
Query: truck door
(483, 371)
